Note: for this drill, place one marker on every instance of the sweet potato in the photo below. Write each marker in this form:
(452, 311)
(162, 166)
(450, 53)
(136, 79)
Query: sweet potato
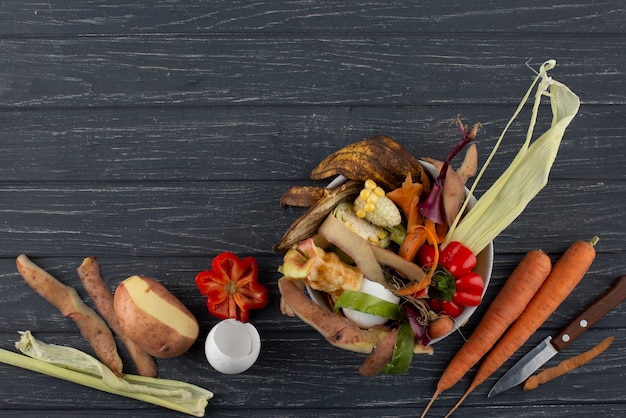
(67, 301)
(378, 341)
(89, 273)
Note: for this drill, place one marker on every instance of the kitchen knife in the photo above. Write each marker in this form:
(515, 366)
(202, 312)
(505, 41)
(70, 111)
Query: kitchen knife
(550, 347)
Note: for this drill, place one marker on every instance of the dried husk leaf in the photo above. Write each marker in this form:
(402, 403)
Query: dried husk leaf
(526, 175)
(307, 224)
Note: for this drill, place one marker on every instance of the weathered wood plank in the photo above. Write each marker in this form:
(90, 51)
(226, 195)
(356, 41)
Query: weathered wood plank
(25, 309)
(397, 70)
(155, 135)
(111, 17)
(326, 379)
(273, 143)
(207, 217)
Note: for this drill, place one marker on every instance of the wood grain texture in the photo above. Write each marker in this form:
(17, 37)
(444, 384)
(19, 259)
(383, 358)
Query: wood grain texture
(271, 143)
(156, 135)
(301, 16)
(356, 69)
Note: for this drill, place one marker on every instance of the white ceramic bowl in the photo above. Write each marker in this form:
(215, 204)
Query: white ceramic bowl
(484, 261)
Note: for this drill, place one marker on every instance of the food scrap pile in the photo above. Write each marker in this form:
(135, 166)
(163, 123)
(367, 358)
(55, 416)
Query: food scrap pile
(387, 251)
(374, 252)
(149, 320)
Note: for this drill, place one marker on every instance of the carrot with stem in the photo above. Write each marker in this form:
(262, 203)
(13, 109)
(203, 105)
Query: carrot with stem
(566, 273)
(566, 365)
(520, 287)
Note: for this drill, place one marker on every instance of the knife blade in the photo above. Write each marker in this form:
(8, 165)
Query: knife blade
(551, 346)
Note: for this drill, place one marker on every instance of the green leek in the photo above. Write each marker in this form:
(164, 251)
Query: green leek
(73, 365)
(526, 175)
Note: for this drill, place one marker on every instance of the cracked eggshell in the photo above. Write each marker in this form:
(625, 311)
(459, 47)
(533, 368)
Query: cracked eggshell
(232, 347)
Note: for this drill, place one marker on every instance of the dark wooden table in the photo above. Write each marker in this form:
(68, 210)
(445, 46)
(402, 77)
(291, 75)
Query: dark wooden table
(155, 136)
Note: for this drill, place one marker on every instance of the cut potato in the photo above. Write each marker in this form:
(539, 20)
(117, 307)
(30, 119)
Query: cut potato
(154, 318)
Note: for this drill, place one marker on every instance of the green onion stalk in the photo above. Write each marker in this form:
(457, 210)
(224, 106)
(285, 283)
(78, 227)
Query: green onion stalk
(73, 365)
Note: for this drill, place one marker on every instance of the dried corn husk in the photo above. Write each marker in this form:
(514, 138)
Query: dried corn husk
(526, 175)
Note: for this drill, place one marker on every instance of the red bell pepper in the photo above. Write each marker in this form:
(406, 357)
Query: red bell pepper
(469, 289)
(446, 306)
(456, 258)
(454, 284)
(231, 287)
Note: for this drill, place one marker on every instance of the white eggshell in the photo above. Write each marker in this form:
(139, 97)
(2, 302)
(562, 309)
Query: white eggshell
(365, 320)
(232, 347)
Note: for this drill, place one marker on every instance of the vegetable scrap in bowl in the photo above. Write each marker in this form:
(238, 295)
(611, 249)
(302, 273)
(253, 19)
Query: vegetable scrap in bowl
(356, 251)
(394, 244)
(484, 264)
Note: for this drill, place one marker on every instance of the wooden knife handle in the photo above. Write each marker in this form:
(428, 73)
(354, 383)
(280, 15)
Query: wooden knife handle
(591, 314)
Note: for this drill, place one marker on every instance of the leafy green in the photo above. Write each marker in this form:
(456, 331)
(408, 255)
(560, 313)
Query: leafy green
(403, 351)
(364, 302)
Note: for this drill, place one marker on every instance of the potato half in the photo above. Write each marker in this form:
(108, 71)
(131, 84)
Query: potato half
(154, 318)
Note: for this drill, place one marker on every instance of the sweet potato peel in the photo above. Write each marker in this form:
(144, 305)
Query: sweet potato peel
(90, 276)
(382, 354)
(67, 301)
(339, 331)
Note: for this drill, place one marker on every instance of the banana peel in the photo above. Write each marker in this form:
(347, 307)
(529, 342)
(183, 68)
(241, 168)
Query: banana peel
(302, 196)
(378, 158)
(307, 224)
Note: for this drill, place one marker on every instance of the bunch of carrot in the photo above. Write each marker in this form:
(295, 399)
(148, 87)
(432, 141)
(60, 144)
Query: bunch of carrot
(531, 294)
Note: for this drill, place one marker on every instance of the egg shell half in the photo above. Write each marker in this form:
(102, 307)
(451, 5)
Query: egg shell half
(232, 347)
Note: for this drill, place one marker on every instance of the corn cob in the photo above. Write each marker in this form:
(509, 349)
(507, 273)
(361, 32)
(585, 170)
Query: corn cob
(367, 230)
(374, 206)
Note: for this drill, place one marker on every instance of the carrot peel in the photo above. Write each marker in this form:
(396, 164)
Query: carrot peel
(566, 365)
(431, 237)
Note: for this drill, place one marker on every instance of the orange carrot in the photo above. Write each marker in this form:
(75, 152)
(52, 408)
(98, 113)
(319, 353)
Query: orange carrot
(510, 302)
(566, 273)
(413, 216)
(412, 243)
(566, 365)
(442, 230)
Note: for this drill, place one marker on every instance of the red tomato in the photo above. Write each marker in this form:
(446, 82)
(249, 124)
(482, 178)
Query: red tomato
(426, 256)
